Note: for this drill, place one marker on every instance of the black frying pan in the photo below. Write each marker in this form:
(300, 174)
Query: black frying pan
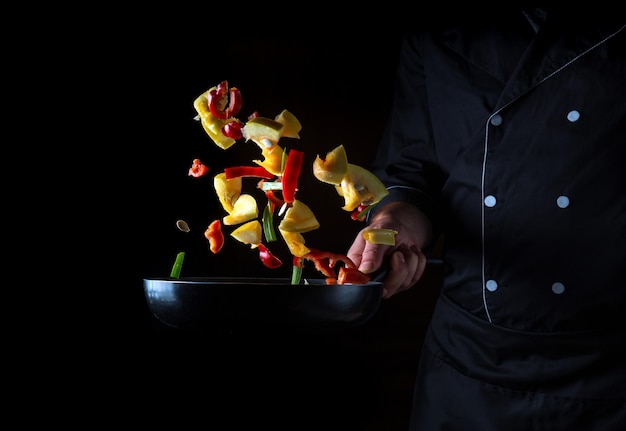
(210, 302)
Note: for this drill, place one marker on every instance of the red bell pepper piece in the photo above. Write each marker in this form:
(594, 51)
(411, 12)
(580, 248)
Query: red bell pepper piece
(360, 212)
(298, 261)
(197, 169)
(321, 264)
(220, 96)
(352, 276)
(233, 130)
(268, 258)
(293, 166)
(247, 171)
(215, 236)
(275, 200)
(333, 258)
(325, 261)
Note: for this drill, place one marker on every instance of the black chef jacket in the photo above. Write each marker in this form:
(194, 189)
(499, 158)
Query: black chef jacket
(514, 144)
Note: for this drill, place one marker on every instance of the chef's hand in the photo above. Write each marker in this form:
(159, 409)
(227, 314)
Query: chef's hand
(405, 260)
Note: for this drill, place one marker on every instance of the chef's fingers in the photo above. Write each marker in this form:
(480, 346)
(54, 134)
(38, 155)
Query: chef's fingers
(366, 256)
(406, 267)
(372, 257)
(355, 252)
(421, 266)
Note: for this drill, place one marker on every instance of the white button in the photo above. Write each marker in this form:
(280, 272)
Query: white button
(573, 115)
(496, 120)
(490, 201)
(562, 201)
(558, 288)
(491, 285)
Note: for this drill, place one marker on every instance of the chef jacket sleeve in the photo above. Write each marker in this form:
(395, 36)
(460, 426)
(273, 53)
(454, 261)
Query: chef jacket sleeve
(406, 159)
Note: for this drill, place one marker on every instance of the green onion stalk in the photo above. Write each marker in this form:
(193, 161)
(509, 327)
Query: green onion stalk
(178, 265)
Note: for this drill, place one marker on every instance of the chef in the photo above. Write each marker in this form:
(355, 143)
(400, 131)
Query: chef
(507, 142)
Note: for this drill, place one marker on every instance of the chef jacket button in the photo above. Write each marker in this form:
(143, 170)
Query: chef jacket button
(573, 116)
(558, 288)
(496, 120)
(490, 201)
(491, 285)
(562, 201)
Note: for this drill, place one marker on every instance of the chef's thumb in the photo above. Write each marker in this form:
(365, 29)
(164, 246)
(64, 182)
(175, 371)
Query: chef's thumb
(370, 259)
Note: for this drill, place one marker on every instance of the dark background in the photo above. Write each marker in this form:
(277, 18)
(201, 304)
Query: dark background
(338, 82)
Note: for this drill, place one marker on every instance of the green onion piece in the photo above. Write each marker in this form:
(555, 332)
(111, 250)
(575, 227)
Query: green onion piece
(271, 185)
(365, 211)
(283, 160)
(178, 265)
(268, 223)
(296, 274)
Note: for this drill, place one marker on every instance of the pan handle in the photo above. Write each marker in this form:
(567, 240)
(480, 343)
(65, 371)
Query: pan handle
(380, 273)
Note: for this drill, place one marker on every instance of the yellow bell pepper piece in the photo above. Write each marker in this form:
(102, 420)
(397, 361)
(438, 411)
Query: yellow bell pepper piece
(295, 242)
(299, 218)
(228, 191)
(245, 209)
(248, 233)
(380, 236)
(210, 123)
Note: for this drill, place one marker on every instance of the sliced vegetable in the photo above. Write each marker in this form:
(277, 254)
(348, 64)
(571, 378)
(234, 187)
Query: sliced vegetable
(295, 242)
(197, 168)
(224, 103)
(360, 186)
(271, 159)
(268, 223)
(380, 236)
(268, 258)
(291, 125)
(215, 236)
(244, 209)
(265, 132)
(348, 275)
(232, 129)
(228, 191)
(296, 270)
(275, 200)
(361, 211)
(291, 173)
(299, 218)
(271, 185)
(325, 263)
(211, 124)
(248, 233)
(178, 265)
(247, 171)
(333, 168)
(296, 275)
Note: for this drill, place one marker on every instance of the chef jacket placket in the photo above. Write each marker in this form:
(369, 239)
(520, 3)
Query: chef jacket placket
(490, 213)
